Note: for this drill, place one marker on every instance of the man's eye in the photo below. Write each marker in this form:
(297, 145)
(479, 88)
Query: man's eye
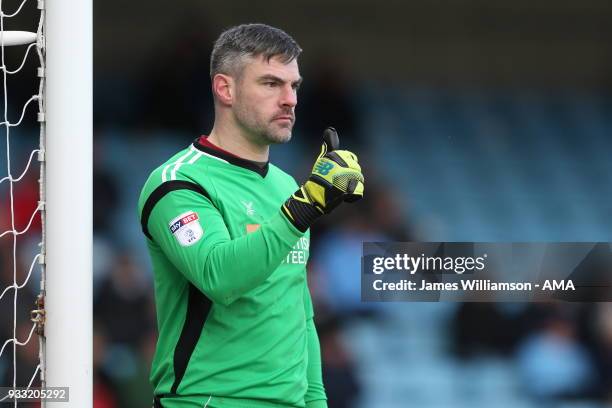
(270, 84)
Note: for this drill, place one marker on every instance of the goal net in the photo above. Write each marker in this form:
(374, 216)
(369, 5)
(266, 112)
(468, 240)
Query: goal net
(22, 247)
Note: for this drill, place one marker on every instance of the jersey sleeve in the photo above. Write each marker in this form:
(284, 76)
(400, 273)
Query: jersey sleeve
(192, 234)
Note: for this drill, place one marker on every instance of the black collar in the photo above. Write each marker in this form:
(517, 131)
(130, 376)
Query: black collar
(236, 161)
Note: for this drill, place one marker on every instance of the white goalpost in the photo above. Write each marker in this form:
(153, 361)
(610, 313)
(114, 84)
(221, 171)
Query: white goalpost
(63, 315)
(69, 199)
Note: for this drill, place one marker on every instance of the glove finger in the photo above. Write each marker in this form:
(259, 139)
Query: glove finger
(337, 158)
(345, 159)
(330, 142)
(330, 138)
(355, 166)
(355, 191)
(323, 151)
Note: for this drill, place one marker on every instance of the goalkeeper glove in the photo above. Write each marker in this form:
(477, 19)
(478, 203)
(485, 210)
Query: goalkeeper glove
(336, 177)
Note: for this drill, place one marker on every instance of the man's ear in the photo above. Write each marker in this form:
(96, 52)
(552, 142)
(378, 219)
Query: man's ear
(223, 88)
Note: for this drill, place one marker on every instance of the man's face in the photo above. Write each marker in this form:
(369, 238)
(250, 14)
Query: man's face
(266, 95)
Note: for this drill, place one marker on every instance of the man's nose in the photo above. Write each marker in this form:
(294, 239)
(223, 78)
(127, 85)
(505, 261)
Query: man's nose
(288, 97)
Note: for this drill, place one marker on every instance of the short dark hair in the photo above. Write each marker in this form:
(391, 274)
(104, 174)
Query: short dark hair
(250, 40)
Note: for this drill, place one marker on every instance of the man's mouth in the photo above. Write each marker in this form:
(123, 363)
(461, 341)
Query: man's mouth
(284, 117)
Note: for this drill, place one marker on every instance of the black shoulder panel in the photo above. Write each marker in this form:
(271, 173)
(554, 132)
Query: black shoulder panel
(160, 192)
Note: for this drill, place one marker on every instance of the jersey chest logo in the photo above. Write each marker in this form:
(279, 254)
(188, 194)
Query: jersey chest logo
(248, 206)
(186, 228)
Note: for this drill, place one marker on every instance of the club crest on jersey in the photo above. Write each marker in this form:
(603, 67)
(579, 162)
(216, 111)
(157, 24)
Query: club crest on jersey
(248, 206)
(186, 228)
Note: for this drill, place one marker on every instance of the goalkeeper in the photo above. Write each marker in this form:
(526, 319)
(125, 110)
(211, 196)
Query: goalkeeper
(228, 235)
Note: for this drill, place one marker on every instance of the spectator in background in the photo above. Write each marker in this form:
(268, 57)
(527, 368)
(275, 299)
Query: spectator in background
(132, 380)
(106, 199)
(25, 202)
(26, 361)
(486, 328)
(103, 389)
(27, 355)
(124, 314)
(327, 99)
(600, 339)
(552, 362)
(337, 253)
(177, 93)
(123, 302)
(339, 372)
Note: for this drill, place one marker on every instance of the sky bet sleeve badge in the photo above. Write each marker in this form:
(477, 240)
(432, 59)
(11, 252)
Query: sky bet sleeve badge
(186, 228)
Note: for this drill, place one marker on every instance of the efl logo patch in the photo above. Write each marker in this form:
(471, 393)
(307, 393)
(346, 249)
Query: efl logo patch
(186, 228)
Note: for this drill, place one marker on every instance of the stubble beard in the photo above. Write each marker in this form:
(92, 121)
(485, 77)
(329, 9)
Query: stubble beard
(263, 131)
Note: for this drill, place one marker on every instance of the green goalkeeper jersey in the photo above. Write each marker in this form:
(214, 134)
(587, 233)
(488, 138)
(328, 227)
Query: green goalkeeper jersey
(234, 313)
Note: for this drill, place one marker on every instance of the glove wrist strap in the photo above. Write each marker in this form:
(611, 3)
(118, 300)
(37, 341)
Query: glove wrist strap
(301, 215)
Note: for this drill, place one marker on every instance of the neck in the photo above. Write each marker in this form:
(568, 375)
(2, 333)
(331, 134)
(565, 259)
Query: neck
(235, 140)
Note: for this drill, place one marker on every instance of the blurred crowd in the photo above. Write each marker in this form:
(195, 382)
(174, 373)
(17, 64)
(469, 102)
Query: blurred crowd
(562, 351)
(559, 351)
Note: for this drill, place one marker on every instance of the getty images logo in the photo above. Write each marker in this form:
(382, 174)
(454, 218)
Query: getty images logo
(413, 264)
